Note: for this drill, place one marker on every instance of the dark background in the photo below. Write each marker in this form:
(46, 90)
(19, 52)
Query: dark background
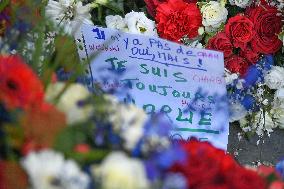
(246, 151)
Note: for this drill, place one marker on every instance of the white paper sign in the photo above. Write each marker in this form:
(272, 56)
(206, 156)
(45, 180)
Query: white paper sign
(160, 76)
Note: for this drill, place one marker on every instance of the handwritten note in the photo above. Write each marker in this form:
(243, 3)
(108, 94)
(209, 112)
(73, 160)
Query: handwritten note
(185, 84)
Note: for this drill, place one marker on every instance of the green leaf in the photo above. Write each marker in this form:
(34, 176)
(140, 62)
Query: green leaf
(89, 157)
(3, 4)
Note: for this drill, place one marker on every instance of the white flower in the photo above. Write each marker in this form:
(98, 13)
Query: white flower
(195, 44)
(274, 79)
(213, 15)
(118, 171)
(116, 22)
(138, 23)
(128, 121)
(200, 30)
(279, 99)
(263, 122)
(70, 14)
(70, 100)
(48, 170)
(241, 3)
(278, 115)
(237, 112)
(230, 77)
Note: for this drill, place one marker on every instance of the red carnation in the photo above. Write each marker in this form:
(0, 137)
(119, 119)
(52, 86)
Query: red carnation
(236, 64)
(267, 24)
(19, 85)
(222, 43)
(176, 19)
(153, 4)
(205, 165)
(240, 30)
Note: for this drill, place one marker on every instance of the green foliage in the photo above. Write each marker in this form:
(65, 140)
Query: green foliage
(3, 4)
(79, 134)
(233, 10)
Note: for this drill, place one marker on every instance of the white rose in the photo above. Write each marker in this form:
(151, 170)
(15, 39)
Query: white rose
(69, 101)
(116, 22)
(237, 112)
(241, 3)
(127, 120)
(138, 23)
(118, 171)
(274, 79)
(213, 15)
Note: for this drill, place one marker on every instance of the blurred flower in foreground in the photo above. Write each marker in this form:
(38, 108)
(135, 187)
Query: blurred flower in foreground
(128, 121)
(11, 171)
(19, 85)
(70, 14)
(280, 168)
(221, 169)
(4, 20)
(121, 172)
(48, 170)
(72, 102)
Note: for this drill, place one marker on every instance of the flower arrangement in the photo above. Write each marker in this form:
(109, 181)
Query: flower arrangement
(55, 133)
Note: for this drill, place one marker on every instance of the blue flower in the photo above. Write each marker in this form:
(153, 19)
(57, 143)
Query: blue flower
(252, 76)
(175, 181)
(280, 168)
(248, 102)
(267, 62)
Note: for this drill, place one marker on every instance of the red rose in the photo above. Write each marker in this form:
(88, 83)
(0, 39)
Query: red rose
(19, 85)
(267, 25)
(176, 19)
(250, 55)
(240, 30)
(222, 43)
(237, 64)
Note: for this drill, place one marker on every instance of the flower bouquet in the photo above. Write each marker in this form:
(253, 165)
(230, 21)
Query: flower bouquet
(55, 133)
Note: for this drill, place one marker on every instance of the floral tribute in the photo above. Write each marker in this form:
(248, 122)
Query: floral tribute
(56, 133)
(249, 33)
